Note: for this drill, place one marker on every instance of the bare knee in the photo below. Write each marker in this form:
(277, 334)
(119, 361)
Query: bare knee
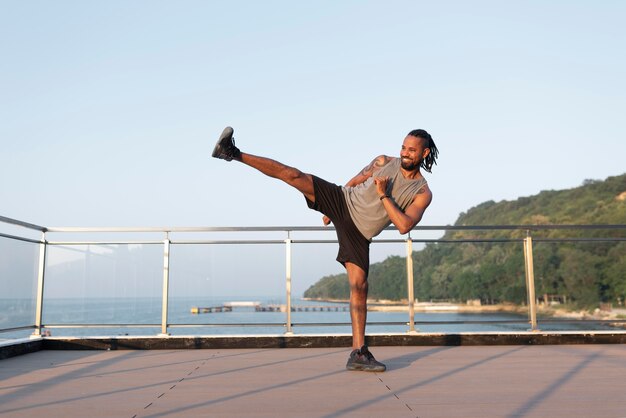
(293, 175)
(301, 181)
(357, 278)
(359, 288)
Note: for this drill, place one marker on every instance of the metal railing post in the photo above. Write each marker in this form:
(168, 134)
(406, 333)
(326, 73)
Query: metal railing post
(288, 242)
(530, 281)
(409, 278)
(166, 285)
(43, 249)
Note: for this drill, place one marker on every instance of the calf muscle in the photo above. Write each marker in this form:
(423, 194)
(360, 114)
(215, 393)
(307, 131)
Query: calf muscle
(290, 175)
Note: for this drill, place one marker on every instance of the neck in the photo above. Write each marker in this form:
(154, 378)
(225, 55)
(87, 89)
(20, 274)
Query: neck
(411, 174)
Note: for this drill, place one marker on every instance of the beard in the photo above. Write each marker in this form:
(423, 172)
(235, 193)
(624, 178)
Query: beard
(410, 165)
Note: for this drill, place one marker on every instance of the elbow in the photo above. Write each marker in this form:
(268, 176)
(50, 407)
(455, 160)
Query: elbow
(405, 230)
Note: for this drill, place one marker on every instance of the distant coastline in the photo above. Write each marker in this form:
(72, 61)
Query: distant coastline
(553, 311)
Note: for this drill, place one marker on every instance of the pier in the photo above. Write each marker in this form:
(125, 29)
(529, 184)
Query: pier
(303, 308)
(226, 307)
(258, 307)
(210, 309)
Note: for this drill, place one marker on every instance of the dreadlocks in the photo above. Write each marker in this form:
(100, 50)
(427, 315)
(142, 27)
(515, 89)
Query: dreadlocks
(431, 158)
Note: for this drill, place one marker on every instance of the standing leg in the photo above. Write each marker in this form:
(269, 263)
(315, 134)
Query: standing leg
(358, 303)
(360, 357)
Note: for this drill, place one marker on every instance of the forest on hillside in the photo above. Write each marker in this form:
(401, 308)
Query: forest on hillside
(581, 272)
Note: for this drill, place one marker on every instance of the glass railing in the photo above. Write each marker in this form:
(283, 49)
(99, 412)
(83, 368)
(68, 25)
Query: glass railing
(19, 271)
(234, 281)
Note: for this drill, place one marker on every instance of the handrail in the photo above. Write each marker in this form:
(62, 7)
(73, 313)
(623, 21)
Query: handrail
(527, 240)
(532, 227)
(15, 237)
(22, 224)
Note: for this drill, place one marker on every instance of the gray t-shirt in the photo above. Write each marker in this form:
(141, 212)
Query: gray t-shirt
(366, 209)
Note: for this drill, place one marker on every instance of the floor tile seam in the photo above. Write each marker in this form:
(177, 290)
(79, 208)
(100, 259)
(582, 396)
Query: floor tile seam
(249, 392)
(395, 395)
(202, 362)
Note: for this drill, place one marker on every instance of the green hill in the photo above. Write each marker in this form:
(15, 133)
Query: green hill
(583, 273)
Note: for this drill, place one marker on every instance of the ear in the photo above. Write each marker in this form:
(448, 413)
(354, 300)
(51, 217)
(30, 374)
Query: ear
(426, 153)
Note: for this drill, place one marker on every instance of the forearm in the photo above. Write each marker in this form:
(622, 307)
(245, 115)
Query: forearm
(402, 221)
(356, 180)
(369, 170)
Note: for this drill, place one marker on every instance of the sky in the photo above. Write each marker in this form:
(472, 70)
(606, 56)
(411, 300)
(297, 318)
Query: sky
(109, 110)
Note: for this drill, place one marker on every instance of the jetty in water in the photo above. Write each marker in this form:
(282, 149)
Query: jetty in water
(303, 308)
(259, 307)
(210, 309)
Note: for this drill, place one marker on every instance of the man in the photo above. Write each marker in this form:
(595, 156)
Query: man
(389, 190)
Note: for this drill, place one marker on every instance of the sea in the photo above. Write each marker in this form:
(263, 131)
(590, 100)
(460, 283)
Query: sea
(142, 317)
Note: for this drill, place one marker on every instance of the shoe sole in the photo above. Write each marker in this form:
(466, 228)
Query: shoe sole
(359, 368)
(226, 133)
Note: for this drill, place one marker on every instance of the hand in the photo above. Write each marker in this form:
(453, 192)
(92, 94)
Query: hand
(326, 220)
(381, 185)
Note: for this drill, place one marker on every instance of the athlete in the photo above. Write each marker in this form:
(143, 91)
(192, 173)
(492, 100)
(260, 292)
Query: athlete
(388, 190)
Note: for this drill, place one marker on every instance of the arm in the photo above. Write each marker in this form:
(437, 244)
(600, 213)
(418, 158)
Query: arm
(405, 221)
(367, 172)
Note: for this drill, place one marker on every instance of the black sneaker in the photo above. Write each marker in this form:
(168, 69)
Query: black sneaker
(225, 148)
(362, 359)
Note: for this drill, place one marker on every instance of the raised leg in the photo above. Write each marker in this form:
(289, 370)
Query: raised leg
(225, 149)
(290, 175)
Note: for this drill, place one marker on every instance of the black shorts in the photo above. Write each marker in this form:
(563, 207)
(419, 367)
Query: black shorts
(353, 246)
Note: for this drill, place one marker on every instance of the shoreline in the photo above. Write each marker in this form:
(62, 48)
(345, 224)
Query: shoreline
(425, 307)
(553, 311)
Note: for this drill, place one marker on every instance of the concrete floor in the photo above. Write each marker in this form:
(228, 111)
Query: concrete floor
(426, 382)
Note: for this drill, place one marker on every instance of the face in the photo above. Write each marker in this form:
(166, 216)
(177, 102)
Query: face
(413, 152)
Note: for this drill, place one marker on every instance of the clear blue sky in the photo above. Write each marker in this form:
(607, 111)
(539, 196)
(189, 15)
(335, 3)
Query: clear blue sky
(109, 110)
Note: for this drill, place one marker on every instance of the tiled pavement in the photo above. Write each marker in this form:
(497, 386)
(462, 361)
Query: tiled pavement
(426, 382)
